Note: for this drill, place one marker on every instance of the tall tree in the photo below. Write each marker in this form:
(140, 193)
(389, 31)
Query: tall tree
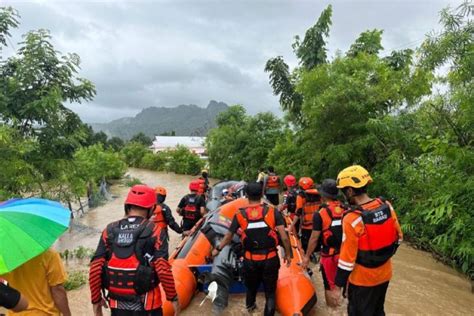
(310, 52)
(369, 42)
(142, 139)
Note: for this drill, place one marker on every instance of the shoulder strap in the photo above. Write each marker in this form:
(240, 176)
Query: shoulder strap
(328, 210)
(243, 212)
(111, 231)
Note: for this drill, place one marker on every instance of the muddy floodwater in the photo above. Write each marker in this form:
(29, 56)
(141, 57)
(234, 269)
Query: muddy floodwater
(420, 286)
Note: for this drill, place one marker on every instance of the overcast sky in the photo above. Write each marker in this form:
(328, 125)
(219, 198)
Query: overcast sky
(165, 53)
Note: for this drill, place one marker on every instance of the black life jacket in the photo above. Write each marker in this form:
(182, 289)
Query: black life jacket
(258, 229)
(127, 272)
(191, 211)
(291, 200)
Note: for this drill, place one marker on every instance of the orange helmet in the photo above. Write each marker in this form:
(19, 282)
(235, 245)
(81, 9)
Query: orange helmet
(160, 190)
(194, 185)
(306, 183)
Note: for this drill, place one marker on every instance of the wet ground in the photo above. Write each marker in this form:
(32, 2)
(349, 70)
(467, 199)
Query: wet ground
(420, 286)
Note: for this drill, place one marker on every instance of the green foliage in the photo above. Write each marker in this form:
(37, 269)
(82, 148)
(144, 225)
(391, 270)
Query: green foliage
(142, 139)
(312, 51)
(156, 161)
(115, 143)
(382, 113)
(75, 280)
(96, 163)
(182, 161)
(8, 20)
(39, 135)
(130, 182)
(241, 143)
(283, 85)
(133, 152)
(369, 42)
(179, 160)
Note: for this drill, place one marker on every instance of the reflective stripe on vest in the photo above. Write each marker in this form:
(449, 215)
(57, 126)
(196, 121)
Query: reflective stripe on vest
(258, 229)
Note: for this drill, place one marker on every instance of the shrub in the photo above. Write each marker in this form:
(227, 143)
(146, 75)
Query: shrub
(130, 182)
(182, 161)
(75, 280)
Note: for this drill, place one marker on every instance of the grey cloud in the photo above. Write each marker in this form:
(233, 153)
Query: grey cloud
(166, 53)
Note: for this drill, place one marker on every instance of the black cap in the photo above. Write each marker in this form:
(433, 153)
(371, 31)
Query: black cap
(329, 188)
(254, 190)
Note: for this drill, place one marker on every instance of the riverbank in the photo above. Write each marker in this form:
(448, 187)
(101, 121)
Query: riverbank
(420, 286)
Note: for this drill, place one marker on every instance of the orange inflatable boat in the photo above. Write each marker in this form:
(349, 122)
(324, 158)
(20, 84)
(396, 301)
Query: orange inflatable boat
(295, 294)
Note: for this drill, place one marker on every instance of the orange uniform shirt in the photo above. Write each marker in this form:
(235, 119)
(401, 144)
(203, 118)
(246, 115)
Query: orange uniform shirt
(353, 228)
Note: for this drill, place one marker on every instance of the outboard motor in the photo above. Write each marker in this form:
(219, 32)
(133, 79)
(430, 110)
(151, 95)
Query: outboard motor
(226, 265)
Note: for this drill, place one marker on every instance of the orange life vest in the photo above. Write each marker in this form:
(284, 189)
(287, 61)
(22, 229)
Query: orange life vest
(380, 240)
(158, 217)
(311, 204)
(331, 235)
(273, 182)
(258, 234)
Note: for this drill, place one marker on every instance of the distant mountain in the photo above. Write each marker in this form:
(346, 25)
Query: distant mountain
(184, 120)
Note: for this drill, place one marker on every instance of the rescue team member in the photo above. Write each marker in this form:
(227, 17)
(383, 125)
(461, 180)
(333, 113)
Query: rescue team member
(261, 175)
(162, 217)
(192, 207)
(260, 224)
(308, 202)
(129, 263)
(289, 196)
(203, 183)
(226, 197)
(327, 227)
(371, 237)
(271, 186)
(11, 298)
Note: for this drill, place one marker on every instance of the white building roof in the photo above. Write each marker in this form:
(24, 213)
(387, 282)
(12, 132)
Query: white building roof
(173, 141)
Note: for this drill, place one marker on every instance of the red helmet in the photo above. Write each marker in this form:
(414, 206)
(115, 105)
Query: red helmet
(289, 180)
(142, 196)
(194, 185)
(160, 190)
(306, 183)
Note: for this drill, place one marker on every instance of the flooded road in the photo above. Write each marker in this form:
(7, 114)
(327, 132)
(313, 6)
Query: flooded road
(420, 286)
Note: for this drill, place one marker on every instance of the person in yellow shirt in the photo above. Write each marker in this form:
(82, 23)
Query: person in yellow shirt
(371, 235)
(41, 281)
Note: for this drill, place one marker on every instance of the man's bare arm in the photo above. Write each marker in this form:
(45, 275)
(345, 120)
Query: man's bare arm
(60, 299)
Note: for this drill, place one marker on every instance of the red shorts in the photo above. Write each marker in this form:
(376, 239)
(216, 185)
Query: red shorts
(328, 267)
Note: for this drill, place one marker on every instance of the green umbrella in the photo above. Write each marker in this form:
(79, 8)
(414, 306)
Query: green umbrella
(27, 228)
